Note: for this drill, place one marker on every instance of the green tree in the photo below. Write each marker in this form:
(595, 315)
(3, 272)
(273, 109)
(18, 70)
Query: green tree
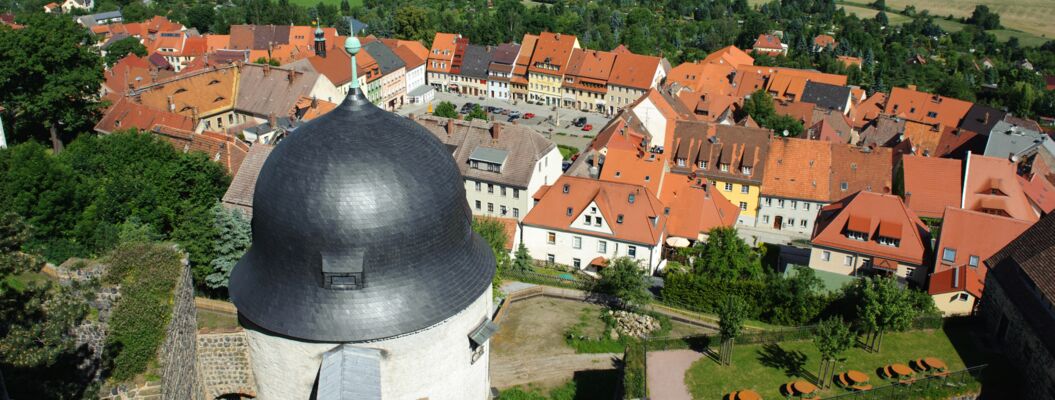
(878, 5)
(445, 109)
(983, 18)
(1020, 97)
(626, 280)
(785, 125)
(412, 23)
(269, 61)
(522, 260)
(122, 48)
(49, 73)
(731, 316)
(795, 300)
(35, 340)
(883, 305)
(494, 232)
(235, 236)
(726, 257)
(832, 338)
(882, 19)
(201, 16)
(346, 8)
(476, 113)
(761, 108)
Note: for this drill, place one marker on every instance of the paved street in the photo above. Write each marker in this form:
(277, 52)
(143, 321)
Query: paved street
(666, 373)
(542, 122)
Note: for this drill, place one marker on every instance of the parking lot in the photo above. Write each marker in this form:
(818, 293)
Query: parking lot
(543, 122)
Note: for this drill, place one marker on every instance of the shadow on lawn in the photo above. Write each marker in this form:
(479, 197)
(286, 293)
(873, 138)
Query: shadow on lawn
(793, 363)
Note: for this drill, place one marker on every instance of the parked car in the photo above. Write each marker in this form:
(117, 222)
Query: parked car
(467, 107)
(587, 127)
(529, 115)
(515, 114)
(579, 121)
(513, 118)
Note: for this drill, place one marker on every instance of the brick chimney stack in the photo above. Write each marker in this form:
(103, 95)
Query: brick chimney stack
(450, 126)
(496, 130)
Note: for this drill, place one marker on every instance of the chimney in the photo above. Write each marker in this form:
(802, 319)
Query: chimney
(172, 106)
(267, 69)
(290, 76)
(271, 120)
(911, 87)
(315, 102)
(496, 130)
(908, 198)
(450, 126)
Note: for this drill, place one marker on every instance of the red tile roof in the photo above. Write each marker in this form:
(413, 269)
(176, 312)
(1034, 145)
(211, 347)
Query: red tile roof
(992, 186)
(224, 149)
(767, 44)
(857, 169)
(127, 114)
(824, 41)
(633, 166)
(970, 233)
(552, 50)
(589, 70)
(926, 108)
(695, 209)
(959, 279)
(643, 219)
(798, 169)
(931, 184)
(730, 55)
(443, 46)
(1040, 191)
(868, 110)
(870, 213)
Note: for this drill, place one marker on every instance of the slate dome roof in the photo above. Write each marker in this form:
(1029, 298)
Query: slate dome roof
(361, 232)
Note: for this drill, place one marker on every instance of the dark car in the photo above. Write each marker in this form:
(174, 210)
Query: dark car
(579, 121)
(467, 107)
(513, 118)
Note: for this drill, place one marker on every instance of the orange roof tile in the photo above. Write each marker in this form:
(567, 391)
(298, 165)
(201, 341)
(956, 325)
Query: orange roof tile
(926, 108)
(730, 55)
(703, 78)
(931, 184)
(848, 61)
(767, 43)
(970, 233)
(127, 114)
(800, 110)
(695, 209)
(552, 53)
(869, 211)
(224, 149)
(1040, 191)
(200, 93)
(788, 83)
(925, 138)
(824, 41)
(443, 46)
(798, 169)
(855, 169)
(634, 71)
(308, 108)
(589, 70)
(992, 186)
(217, 42)
(643, 221)
(409, 56)
(630, 165)
(868, 110)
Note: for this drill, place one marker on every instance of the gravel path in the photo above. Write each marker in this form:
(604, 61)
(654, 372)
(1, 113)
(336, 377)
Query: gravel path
(552, 369)
(666, 374)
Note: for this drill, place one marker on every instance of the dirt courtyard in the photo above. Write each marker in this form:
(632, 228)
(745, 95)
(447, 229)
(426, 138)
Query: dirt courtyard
(529, 347)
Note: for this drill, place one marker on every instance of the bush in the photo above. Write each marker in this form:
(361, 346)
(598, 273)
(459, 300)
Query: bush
(634, 371)
(147, 274)
(697, 293)
(566, 151)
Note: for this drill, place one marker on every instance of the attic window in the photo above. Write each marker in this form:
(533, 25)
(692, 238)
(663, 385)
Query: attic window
(619, 219)
(569, 211)
(844, 186)
(213, 82)
(218, 99)
(567, 188)
(932, 114)
(630, 198)
(745, 170)
(724, 167)
(666, 210)
(180, 90)
(648, 178)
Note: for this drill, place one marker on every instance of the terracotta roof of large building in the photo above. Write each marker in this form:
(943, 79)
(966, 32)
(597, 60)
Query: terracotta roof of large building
(1025, 270)
(704, 78)
(926, 108)
(801, 111)
(199, 93)
(798, 169)
(227, 150)
(991, 186)
(833, 97)
(641, 213)
(133, 72)
(239, 194)
(925, 138)
(409, 56)
(552, 53)
(767, 42)
(873, 214)
(855, 169)
(718, 147)
(443, 46)
(789, 83)
(868, 110)
(1040, 191)
(931, 184)
(634, 71)
(730, 55)
(970, 234)
(589, 70)
(520, 147)
(264, 90)
(127, 114)
(838, 123)
(336, 66)
(527, 50)
(631, 165)
(258, 37)
(694, 208)
(824, 41)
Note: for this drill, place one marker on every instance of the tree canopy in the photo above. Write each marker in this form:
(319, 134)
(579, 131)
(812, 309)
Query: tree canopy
(625, 279)
(725, 256)
(232, 241)
(122, 48)
(445, 109)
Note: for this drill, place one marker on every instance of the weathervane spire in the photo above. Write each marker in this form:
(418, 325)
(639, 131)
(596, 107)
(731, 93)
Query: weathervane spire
(352, 46)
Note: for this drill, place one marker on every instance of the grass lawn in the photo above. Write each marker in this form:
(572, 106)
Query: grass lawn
(216, 320)
(870, 13)
(21, 281)
(1030, 16)
(765, 368)
(313, 3)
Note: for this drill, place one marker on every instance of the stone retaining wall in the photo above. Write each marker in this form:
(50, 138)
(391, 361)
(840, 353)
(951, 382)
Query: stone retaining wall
(177, 354)
(223, 364)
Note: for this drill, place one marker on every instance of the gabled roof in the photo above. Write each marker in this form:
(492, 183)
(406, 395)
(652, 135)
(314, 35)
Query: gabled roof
(634, 71)
(798, 169)
(386, 58)
(127, 114)
(475, 62)
(883, 131)
(767, 42)
(970, 233)
(868, 110)
(612, 200)
(733, 146)
(835, 121)
(409, 57)
(858, 168)
(730, 55)
(788, 83)
(1040, 191)
(524, 147)
(849, 61)
(239, 194)
(824, 41)
(505, 53)
(931, 184)
(1007, 140)
(991, 185)
(203, 92)
(828, 96)
(1025, 268)
(694, 208)
(224, 149)
(336, 66)
(443, 46)
(873, 214)
(981, 119)
(630, 165)
(552, 49)
(589, 69)
(926, 108)
(801, 111)
(925, 138)
(704, 78)
(265, 90)
(258, 37)
(308, 108)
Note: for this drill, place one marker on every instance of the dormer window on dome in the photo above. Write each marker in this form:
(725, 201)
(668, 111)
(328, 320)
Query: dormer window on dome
(343, 271)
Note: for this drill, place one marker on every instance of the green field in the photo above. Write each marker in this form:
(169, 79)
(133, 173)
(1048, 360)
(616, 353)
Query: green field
(313, 3)
(1029, 16)
(1025, 37)
(869, 13)
(765, 368)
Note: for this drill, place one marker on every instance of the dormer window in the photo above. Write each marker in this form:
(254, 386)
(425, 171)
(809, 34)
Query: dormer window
(619, 219)
(570, 212)
(630, 198)
(567, 188)
(702, 164)
(218, 99)
(745, 170)
(681, 162)
(724, 167)
(883, 240)
(213, 82)
(180, 90)
(932, 114)
(855, 235)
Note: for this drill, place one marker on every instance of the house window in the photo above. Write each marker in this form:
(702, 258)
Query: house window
(826, 255)
(743, 206)
(848, 261)
(516, 193)
(855, 235)
(516, 212)
(589, 220)
(503, 210)
(765, 219)
(477, 186)
(619, 218)
(569, 212)
(503, 191)
(791, 222)
(602, 246)
(490, 207)
(577, 263)
(681, 162)
(631, 251)
(932, 114)
(577, 242)
(490, 188)
(550, 258)
(794, 205)
(746, 170)
(478, 204)
(844, 186)
(566, 188)
(597, 221)
(745, 189)
(948, 255)
(780, 203)
(551, 238)
(962, 297)
(723, 167)
(769, 202)
(802, 223)
(883, 240)
(973, 261)
(728, 187)
(703, 164)
(806, 206)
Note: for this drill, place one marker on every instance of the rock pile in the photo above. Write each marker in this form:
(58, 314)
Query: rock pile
(636, 325)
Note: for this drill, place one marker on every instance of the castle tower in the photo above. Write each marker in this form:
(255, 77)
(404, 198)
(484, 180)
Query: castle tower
(320, 41)
(365, 279)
